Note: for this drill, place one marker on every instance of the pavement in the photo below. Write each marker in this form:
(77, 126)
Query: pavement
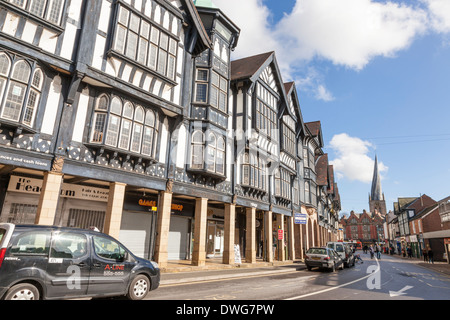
(183, 271)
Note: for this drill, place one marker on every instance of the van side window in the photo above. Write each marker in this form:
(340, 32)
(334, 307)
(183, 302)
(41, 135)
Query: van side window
(108, 249)
(69, 246)
(31, 243)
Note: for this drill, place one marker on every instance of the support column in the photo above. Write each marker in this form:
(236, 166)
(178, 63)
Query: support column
(291, 239)
(201, 215)
(280, 225)
(48, 199)
(114, 209)
(250, 235)
(268, 235)
(229, 229)
(162, 228)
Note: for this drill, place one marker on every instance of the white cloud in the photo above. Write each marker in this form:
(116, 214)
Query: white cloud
(348, 33)
(439, 12)
(352, 161)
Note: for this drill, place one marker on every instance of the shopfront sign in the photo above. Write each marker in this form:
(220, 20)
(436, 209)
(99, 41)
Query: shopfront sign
(300, 218)
(74, 191)
(280, 234)
(24, 161)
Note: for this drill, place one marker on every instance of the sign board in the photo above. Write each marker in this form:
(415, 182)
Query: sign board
(34, 186)
(237, 254)
(300, 218)
(280, 234)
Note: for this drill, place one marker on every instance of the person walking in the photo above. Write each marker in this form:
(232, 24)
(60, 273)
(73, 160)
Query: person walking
(430, 256)
(371, 252)
(425, 255)
(378, 251)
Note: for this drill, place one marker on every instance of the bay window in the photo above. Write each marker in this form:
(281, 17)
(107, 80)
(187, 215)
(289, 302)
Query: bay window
(20, 89)
(50, 10)
(123, 125)
(141, 41)
(213, 160)
(254, 171)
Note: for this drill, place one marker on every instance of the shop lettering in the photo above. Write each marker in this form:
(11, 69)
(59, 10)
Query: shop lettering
(25, 185)
(152, 203)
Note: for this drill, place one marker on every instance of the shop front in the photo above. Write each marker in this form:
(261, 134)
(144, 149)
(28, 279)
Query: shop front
(80, 206)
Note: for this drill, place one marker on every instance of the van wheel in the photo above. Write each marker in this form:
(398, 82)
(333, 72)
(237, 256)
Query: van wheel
(139, 288)
(22, 291)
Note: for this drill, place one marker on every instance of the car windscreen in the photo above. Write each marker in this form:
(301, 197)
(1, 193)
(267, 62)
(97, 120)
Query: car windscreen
(339, 248)
(317, 251)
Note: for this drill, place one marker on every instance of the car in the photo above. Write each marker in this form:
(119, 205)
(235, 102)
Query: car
(323, 258)
(345, 252)
(51, 262)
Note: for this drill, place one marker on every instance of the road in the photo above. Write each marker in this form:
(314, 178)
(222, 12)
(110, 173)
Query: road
(389, 278)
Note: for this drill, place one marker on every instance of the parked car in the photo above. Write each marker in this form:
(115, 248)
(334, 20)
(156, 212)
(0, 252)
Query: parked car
(345, 252)
(323, 258)
(49, 262)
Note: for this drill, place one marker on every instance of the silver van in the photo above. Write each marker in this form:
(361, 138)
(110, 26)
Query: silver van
(344, 251)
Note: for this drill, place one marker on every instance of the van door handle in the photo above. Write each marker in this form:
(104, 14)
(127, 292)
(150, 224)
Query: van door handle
(97, 265)
(81, 264)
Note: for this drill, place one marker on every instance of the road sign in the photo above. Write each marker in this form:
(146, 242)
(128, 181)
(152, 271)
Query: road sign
(300, 218)
(280, 234)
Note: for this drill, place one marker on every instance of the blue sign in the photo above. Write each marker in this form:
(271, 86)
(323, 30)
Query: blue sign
(300, 218)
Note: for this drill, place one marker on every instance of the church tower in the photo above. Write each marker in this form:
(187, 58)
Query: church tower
(376, 197)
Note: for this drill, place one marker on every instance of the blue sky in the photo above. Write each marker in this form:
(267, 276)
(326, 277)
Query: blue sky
(377, 76)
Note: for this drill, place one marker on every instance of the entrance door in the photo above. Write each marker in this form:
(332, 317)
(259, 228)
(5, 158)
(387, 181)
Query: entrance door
(178, 238)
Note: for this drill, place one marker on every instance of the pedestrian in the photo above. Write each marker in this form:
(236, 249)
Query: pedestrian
(371, 252)
(378, 251)
(425, 256)
(409, 252)
(430, 256)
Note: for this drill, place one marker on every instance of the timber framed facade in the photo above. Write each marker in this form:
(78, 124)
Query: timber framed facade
(130, 116)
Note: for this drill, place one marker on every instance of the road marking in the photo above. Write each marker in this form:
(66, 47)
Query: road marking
(400, 292)
(337, 287)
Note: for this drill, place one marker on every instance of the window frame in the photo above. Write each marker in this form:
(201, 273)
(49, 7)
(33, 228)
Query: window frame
(47, 10)
(118, 129)
(28, 101)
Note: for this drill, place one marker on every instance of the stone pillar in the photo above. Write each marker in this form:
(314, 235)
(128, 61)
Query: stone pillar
(48, 199)
(114, 209)
(229, 229)
(162, 228)
(201, 215)
(280, 247)
(291, 238)
(268, 235)
(250, 235)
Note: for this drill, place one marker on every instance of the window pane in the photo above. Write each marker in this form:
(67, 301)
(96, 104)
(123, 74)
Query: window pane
(69, 246)
(162, 62)
(125, 134)
(99, 125)
(54, 11)
(31, 244)
(152, 56)
(37, 7)
(32, 103)
(147, 141)
(119, 43)
(197, 156)
(4, 64)
(21, 71)
(132, 43)
(202, 90)
(113, 131)
(107, 248)
(137, 136)
(14, 101)
(150, 118)
(116, 106)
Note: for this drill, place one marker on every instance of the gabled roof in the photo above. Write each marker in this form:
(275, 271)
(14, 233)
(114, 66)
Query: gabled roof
(203, 42)
(315, 129)
(247, 67)
(290, 89)
(322, 170)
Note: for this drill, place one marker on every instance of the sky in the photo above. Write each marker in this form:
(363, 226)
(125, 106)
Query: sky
(377, 76)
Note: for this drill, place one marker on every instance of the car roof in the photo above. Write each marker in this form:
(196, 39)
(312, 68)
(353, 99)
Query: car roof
(51, 227)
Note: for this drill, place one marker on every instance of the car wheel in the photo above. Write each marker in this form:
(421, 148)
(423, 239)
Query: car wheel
(22, 291)
(139, 288)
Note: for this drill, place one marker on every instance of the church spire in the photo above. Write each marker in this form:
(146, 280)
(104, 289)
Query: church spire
(376, 193)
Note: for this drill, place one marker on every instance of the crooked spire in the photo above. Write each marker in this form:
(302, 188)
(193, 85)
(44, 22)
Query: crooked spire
(376, 193)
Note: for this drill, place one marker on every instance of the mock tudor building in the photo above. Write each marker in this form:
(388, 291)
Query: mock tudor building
(130, 116)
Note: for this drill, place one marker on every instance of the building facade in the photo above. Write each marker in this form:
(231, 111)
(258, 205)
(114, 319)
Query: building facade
(131, 117)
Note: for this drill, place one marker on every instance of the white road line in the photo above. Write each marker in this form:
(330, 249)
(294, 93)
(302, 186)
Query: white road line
(337, 287)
